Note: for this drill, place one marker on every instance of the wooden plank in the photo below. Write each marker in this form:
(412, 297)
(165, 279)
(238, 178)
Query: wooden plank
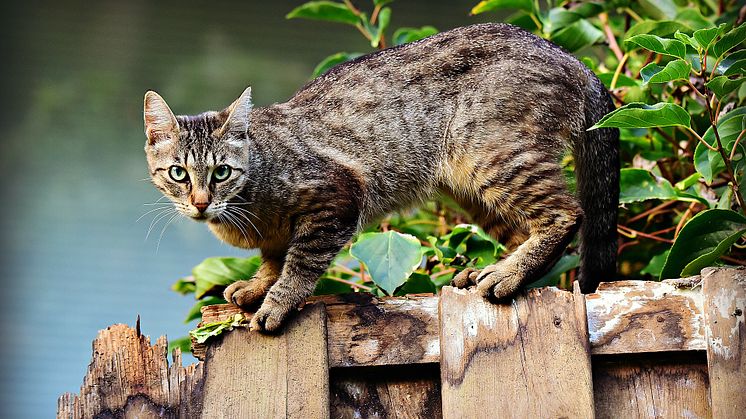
(248, 374)
(372, 331)
(380, 392)
(651, 386)
(514, 357)
(640, 316)
(623, 317)
(724, 293)
(128, 377)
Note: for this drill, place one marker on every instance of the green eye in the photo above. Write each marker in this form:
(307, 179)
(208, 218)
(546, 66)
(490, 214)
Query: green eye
(178, 174)
(221, 173)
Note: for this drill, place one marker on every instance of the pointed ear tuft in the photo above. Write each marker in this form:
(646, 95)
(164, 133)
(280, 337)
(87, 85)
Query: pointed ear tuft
(238, 114)
(160, 122)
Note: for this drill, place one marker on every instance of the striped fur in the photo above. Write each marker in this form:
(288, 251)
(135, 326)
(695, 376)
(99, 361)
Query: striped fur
(483, 113)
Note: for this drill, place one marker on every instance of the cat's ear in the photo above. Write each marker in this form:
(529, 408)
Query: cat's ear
(237, 120)
(160, 122)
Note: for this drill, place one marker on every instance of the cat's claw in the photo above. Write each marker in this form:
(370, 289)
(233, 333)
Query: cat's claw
(269, 317)
(465, 278)
(244, 294)
(495, 283)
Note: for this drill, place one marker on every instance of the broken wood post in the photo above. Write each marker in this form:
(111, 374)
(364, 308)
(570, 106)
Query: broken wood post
(526, 358)
(724, 292)
(251, 375)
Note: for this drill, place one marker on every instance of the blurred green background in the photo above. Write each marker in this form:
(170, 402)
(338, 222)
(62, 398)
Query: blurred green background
(74, 259)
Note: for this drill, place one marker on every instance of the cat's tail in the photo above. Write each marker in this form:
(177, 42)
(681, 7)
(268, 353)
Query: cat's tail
(597, 172)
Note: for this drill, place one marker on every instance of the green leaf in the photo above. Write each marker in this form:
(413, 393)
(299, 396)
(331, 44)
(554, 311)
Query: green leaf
(577, 36)
(405, 35)
(688, 40)
(705, 238)
(732, 64)
(327, 286)
(552, 277)
(674, 70)
(672, 47)
(705, 37)
(659, 9)
(390, 257)
(417, 283)
(558, 18)
(325, 10)
(640, 115)
(621, 81)
(688, 182)
(196, 311)
(332, 60)
(655, 266)
(184, 286)
(656, 27)
(638, 185)
(183, 343)
(487, 5)
(209, 330)
(220, 271)
(709, 163)
(384, 18)
(729, 41)
(588, 9)
(722, 86)
(692, 18)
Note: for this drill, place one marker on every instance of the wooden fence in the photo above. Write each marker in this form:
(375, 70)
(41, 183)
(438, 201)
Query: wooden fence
(633, 349)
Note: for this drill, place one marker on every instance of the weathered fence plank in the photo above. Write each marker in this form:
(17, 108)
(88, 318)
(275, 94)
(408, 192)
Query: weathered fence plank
(724, 292)
(637, 316)
(128, 377)
(364, 330)
(518, 359)
(250, 375)
(402, 392)
(651, 387)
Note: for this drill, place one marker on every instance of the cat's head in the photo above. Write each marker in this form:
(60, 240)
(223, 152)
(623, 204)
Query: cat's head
(198, 162)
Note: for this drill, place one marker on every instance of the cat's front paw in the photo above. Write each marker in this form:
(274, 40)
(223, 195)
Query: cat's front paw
(244, 294)
(465, 278)
(270, 316)
(496, 283)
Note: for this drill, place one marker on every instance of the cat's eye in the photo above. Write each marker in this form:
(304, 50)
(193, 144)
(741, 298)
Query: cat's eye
(221, 173)
(178, 174)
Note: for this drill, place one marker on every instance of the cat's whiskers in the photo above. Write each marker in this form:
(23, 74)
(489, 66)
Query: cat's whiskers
(241, 215)
(173, 217)
(158, 218)
(154, 210)
(230, 218)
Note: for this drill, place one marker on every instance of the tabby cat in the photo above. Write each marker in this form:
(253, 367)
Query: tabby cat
(482, 113)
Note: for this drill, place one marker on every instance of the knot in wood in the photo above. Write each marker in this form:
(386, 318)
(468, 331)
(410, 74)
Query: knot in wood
(557, 321)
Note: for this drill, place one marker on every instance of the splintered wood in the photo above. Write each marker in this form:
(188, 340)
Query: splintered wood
(724, 294)
(130, 378)
(515, 359)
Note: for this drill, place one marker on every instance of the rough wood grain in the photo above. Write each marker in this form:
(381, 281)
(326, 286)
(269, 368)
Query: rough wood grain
(724, 292)
(386, 392)
(641, 316)
(652, 386)
(512, 359)
(128, 377)
(250, 375)
(623, 317)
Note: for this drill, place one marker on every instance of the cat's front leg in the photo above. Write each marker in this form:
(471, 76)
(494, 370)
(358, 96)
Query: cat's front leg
(318, 238)
(247, 294)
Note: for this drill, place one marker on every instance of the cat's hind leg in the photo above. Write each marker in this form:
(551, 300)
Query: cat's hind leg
(533, 207)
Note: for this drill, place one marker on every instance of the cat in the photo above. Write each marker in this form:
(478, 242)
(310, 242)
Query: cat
(483, 113)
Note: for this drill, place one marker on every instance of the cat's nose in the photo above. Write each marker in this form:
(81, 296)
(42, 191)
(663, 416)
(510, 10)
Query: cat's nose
(201, 206)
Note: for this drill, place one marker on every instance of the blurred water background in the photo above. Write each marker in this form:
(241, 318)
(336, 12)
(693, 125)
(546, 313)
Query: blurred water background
(74, 259)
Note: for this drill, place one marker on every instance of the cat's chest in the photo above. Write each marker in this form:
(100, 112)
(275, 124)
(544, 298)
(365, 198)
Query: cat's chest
(238, 236)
